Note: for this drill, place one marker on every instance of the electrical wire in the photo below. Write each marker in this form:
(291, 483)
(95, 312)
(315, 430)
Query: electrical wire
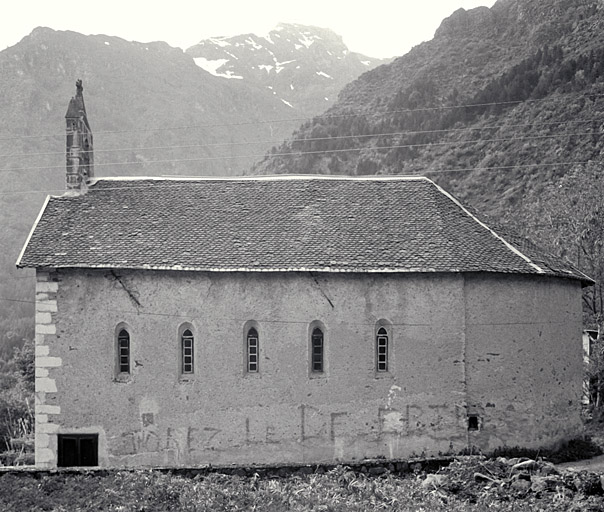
(313, 139)
(303, 153)
(273, 321)
(302, 119)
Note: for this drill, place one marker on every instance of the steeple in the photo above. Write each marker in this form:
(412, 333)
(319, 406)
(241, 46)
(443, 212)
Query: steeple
(79, 156)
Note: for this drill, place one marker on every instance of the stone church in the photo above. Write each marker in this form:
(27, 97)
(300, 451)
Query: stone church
(289, 319)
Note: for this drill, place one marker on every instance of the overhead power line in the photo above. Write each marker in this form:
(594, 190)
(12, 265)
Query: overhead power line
(317, 152)
(372, 113)
(270, 321)
(313, 139)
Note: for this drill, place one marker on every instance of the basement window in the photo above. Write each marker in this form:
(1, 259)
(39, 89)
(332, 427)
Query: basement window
(473, 423)
(78, 450)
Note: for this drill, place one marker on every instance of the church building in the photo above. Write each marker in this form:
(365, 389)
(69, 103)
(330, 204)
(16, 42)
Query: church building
(290, 319)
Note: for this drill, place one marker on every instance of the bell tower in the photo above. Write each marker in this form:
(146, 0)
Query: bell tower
(79, 155)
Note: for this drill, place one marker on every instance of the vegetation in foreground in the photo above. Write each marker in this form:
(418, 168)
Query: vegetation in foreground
(469, 483)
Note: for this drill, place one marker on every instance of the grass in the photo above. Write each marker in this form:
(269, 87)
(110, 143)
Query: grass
(340, 489)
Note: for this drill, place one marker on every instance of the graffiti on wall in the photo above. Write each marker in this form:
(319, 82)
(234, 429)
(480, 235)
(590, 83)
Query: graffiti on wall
(307, 427)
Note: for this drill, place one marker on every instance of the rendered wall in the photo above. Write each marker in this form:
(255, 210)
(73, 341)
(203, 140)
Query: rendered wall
(222, 415)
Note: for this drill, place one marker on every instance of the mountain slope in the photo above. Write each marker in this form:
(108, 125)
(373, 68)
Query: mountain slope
(298, 64)
(531, 74)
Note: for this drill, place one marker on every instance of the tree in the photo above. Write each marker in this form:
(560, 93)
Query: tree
(568, 218)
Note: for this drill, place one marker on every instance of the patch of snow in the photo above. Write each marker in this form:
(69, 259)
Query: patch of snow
(254, 44)
(268, 38)
(366, 62)
(280, 65)
(287, 103)
(270, 87)
(231, 55)
(220, 41)
(320, 73)
(298, 46)
(306, 41)
(212, 66)
(107, 43)
(297, 67)
(291, 86)
(266, 67)
(326, 98)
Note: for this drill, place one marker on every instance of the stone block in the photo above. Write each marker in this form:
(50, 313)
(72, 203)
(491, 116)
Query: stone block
(41, 418)
(41, 372)
(48, 409)
(45, 384)
(50, 306)
(46, 329)
(48, 362)
(42, 350)
(43, 318)
(45, 457)
(47, 428)
(42, 441)
(42, 276)
(47, 286)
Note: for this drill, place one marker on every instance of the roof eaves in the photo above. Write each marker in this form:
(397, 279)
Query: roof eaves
(31, 232)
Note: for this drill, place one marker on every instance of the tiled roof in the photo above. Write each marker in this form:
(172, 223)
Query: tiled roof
(279, 223)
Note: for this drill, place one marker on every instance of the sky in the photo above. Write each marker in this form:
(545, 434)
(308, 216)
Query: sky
(376, 28)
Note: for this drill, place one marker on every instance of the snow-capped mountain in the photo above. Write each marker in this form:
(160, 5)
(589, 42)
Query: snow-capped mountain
(304, 67)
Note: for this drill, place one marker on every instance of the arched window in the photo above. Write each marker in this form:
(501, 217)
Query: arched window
(123, 351)
(381, 350)
(186, 344)
(252, 350)
(316, 350)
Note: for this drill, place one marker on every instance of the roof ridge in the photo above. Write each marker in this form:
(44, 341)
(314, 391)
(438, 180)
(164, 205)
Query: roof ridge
(273, 177)
(496, 235)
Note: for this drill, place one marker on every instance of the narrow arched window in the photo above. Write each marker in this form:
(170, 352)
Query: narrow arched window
(252, 350)
(381, 350)
(123, 351)
(186, 343)
(316, 350)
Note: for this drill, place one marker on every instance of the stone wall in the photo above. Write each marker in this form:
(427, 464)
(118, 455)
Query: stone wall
(442, 328)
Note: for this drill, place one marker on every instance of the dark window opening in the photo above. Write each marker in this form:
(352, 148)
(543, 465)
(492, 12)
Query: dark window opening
(317, 350)
(473, 422)
(187, 351)
(123, 347)
(252, 351)
(78, 450)
(381, 347)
